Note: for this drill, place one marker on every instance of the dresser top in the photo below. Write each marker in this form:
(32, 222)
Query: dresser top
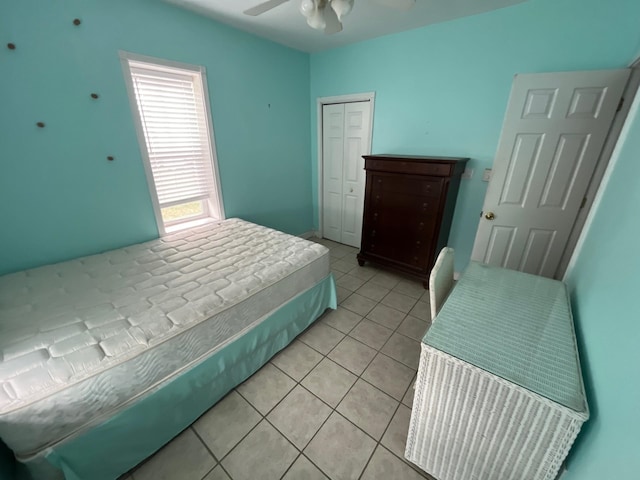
(417, 158)
(516, 326)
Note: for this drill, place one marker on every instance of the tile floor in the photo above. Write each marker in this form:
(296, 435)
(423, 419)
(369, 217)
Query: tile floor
(335, 404)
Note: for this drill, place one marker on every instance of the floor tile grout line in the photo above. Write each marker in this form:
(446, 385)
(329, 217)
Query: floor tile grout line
(373, 452)
(289, 467)
(378, 351)
(365, 317)
(400, 403)
(358, 377)
(252, 428)
(378, 443)
(333, 409)
(212, 469)
(312, 462)
(224, 470)
(264, 417)
(385, 354)
(415, 300)
(205, 446)
(395, 330)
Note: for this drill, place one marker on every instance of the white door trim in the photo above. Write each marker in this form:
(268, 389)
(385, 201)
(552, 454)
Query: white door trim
(606, 164)
(320, 102)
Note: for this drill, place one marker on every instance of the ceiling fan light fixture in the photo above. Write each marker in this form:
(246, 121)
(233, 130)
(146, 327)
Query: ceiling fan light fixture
(316, 19)
(333, 23)
(341, 7)
(307, 7)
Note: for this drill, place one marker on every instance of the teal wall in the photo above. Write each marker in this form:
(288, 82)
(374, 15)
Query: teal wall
(443, 89)
(604, 284)
(59, 196)
(439, 90)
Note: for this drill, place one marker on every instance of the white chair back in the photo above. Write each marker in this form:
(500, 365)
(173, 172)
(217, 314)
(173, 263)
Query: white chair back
(441, 280)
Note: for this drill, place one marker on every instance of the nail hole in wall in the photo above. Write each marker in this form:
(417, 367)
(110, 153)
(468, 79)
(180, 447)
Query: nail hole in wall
(77, 21)
(110, 158)
(40, 124)
(11, 46)
(94, 95)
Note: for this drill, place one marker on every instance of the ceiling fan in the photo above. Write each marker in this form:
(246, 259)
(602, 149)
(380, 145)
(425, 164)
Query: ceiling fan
(325, 15)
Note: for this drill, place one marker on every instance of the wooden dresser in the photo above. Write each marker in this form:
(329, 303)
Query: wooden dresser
(408, 208)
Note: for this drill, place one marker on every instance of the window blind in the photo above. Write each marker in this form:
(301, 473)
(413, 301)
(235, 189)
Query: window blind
(171, 107)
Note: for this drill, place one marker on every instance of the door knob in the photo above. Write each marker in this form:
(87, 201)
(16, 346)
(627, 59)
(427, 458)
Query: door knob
(489, 215)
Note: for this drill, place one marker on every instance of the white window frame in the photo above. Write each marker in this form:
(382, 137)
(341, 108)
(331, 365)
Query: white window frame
(213, 206)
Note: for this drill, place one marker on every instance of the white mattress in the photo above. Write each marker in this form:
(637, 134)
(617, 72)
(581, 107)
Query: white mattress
(81, 339)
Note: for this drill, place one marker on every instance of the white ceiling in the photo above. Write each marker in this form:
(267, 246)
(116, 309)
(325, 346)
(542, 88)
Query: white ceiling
(286, 25)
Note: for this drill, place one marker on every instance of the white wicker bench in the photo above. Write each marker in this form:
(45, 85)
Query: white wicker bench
(499, 393)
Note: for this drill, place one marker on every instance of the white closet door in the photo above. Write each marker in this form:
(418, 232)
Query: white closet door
(346, 137)
(356, 144)
(332, 160)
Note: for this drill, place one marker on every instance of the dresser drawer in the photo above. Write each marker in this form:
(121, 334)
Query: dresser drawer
(411, 168)
(391, 184)
(403, 242)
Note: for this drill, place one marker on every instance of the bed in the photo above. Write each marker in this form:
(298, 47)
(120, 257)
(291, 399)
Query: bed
(105, 358)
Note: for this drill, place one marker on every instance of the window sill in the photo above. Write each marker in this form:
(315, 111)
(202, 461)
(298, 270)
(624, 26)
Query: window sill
(189, 224)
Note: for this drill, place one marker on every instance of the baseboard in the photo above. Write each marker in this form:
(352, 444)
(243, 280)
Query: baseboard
(309, 234)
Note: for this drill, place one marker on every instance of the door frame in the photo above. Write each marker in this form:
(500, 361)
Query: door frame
(600, 173)
(320, 103)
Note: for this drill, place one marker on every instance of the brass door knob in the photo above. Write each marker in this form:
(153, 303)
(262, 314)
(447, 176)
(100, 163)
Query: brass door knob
(489, 215)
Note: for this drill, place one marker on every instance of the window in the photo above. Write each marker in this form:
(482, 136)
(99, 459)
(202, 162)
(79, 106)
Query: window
(170, 108)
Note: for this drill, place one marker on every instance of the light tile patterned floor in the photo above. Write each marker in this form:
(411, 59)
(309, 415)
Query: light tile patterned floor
(335, 404)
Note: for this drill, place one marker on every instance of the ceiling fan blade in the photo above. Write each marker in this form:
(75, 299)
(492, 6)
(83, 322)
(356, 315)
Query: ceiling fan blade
(263, 7)
(399, 4)
(333, 24)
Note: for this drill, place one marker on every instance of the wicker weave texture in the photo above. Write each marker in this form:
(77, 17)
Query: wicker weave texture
(468, 424)
(516, 326)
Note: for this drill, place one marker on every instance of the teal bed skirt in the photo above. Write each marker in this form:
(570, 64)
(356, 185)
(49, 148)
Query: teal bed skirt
(115, 446)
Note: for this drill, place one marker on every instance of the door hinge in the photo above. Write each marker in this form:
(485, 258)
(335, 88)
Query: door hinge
(620, 103)
(584, 202)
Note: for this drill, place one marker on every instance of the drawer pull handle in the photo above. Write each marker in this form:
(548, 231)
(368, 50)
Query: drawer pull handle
(418, 242)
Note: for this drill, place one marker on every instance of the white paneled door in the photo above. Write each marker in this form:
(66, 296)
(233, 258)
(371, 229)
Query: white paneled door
(346, 137)
(553, 132)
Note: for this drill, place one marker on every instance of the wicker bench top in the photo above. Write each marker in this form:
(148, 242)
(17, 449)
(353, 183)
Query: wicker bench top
(516, 326)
